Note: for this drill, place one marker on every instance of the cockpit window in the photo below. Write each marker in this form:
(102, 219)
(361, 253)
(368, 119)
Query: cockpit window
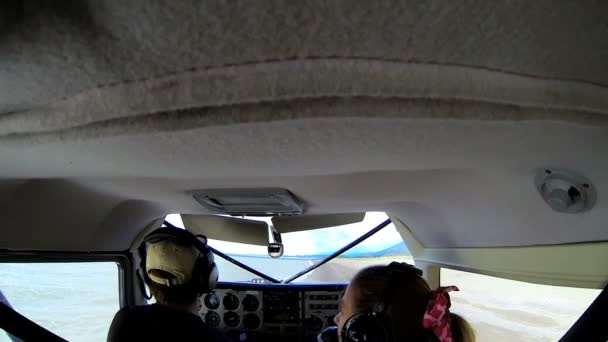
(508, 310)
(305, 248)
(75, 300)
(379, 249)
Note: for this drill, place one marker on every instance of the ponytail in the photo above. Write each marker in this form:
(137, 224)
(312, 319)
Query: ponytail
(461, 329)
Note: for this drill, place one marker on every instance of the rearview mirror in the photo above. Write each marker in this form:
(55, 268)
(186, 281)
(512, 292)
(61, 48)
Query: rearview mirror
(275, 250)
(275, 247)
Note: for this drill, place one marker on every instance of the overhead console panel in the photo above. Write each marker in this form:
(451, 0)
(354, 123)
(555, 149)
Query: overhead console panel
(249, 202)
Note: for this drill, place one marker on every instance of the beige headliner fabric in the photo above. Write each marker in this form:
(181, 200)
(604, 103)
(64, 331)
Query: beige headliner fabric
(55, 50)
(440, 113)
(278, 91)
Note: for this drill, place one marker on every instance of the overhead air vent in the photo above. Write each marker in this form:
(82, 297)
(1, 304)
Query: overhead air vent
(565, 191)
(249, 202)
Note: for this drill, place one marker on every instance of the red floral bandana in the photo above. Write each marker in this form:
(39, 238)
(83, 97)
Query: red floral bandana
(437, 315)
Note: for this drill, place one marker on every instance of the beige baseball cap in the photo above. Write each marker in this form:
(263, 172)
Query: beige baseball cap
(169, 263)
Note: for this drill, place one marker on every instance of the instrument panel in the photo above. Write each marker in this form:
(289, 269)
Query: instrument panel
(267, 312)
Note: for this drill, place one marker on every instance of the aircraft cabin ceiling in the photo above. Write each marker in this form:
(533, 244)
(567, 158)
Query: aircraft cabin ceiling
(443, 114)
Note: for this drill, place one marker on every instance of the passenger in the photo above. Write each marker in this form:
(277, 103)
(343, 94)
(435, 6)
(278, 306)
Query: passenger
(178, 268)
(394, 303)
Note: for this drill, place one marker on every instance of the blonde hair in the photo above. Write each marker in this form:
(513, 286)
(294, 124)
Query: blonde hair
(461, 329)
(403, 296)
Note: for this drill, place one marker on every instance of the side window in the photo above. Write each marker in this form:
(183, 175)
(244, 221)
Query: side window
(507, 310)
(76, 300)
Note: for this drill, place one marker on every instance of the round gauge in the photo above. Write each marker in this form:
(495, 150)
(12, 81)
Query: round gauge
(313, 324)
(251, 303)
(212, 301)
(251, 321)
(212, 319)
(231, 302)
(232, 319)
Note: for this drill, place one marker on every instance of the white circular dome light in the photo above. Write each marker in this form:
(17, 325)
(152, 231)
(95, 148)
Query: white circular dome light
(565, 191)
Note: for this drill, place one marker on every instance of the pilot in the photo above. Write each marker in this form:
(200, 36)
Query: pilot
(178, 268)
(394, 303)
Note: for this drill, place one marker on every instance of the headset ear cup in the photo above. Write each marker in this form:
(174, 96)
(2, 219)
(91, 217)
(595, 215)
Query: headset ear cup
(213, 278)
(207, 273)
(352, 330)
(201, 276)
(142, 272)
(364, 328)
(212, 273)
(206, 267)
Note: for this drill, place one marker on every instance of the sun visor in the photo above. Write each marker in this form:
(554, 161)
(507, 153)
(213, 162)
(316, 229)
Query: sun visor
(228, 228)
(288, 224)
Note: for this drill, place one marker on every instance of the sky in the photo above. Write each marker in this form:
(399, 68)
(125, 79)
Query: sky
(318, 241)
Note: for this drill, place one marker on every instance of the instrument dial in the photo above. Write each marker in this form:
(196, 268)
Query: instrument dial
(212, 301)
(251, 321)
(231, 302)
(232, 319)
(212, 319)
(251, 303)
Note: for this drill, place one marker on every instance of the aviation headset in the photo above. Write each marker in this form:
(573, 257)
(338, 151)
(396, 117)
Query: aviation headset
(205, 273)
(372, 326)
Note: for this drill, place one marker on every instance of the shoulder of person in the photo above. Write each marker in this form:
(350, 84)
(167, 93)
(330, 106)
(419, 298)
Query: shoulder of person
(122, 319)
(217, 335)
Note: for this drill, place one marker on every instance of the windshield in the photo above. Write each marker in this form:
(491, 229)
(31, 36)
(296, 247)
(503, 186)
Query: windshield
(305, 248)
